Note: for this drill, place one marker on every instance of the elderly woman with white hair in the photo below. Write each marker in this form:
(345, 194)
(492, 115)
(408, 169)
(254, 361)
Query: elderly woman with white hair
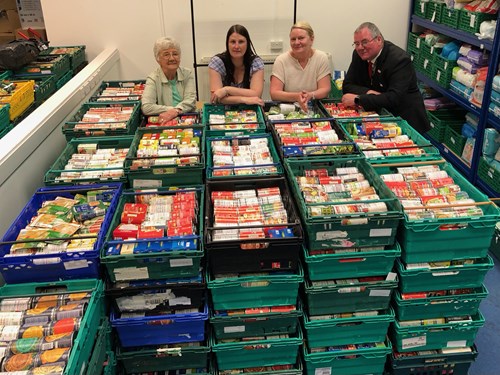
(170, 89)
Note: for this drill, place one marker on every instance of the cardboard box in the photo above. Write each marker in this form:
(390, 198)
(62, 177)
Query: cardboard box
(9, 21)
(8, 4)
(6, 37)
(41, 32)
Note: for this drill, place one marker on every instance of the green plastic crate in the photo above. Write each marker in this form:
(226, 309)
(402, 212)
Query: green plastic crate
(425, 63)
(434, 11)
(441, 119)
(83, 344)
(454, 141)
(295, 369)
(495, 243)
(110, 368)
(76, 54)
(414, 41)
(262, 351)
(356, 263)
(450, 17)
(347, 330)
(163, 175)
(4, 117)
(471, 21)
(349, 295)
(243, 325)
(164, 357)
(45, 86)
(99, 352)
(5, 130)
(235, 128)
(489, 175)
(57, 65)
(253, 170)
(347, 362)
(325, 112)
(52, 175)
(98, 95)
(335, 91)
(420, 8)
(429, 151)
(5, 74)
(442, 239)
(432, 362)
(435, 336)
(345, 230)
(69, 131)
(452, 277)
(437, 305)
(414, 54)
(64, 79)
(442, 77)
(160, 262)
(230, 293)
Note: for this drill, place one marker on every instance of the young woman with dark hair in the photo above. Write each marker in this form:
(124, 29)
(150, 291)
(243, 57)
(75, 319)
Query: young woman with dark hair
(237, 74)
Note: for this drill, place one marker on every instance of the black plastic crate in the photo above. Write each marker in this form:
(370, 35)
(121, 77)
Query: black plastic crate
(253, 254)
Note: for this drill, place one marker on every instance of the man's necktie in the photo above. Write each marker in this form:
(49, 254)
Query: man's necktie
(370, 69)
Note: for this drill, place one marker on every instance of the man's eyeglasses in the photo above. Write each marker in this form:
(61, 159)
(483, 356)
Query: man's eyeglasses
(363, 43)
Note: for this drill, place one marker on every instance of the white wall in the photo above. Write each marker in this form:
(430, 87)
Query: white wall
(132, 26)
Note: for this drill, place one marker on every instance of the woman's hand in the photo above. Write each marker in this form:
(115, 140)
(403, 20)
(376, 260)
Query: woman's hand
(252, 100)
(168, 115)
(219, 94)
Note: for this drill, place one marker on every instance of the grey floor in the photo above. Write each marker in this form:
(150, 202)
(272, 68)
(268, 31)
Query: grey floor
(488, 337)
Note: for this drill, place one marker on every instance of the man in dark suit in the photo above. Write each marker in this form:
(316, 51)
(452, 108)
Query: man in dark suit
(381, 75)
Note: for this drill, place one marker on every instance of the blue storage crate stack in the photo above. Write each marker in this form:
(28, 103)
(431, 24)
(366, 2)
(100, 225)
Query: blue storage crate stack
(445, 235)
(153, 259)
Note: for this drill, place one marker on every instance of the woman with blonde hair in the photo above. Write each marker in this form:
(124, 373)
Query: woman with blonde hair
(170, 89)
(303, 73)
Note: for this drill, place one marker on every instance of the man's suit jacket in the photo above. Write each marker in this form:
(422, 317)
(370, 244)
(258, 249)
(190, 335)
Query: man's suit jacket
(395, 78)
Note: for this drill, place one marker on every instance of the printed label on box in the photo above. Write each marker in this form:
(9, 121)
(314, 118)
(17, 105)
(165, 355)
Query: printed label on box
(381, 232)
(131, 273)
(75, 264)
(380, 293)
(322, 236)
(391, 276)
(179, 301)
(234, 329)
(414, 342)
(323, 371)
(181, 262)
(146, 183)
(456, 344)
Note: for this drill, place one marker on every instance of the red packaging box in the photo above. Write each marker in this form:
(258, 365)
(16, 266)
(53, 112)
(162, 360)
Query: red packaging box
(125, 231)
(150, 232)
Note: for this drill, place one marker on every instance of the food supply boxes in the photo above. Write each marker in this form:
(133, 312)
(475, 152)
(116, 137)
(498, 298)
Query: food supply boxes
(239, 119)
(87, 161)
(343, 203)
(56, 65)
(78, 308)
(169, 156)
(118, 91)
(335, 109)
(76, 54)
(103, 119)
(251, 226)
(66, 232)
(19, 94)
(155, 234)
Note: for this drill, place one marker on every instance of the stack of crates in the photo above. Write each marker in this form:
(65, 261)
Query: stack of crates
(77, 59)
(349, 254)
(155, 281)
(56, 66)
(253, 239)
(19, 94)
(445, 236)
(52, 306)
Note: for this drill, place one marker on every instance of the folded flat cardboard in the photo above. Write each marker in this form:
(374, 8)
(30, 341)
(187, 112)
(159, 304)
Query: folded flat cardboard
(8, 4)
(9, 20)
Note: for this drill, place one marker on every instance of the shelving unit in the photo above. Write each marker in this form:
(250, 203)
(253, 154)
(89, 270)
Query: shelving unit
(196, 65)
(486, 119)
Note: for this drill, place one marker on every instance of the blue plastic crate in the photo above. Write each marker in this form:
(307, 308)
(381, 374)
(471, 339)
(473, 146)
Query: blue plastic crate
(160, 329)
(58, 266)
